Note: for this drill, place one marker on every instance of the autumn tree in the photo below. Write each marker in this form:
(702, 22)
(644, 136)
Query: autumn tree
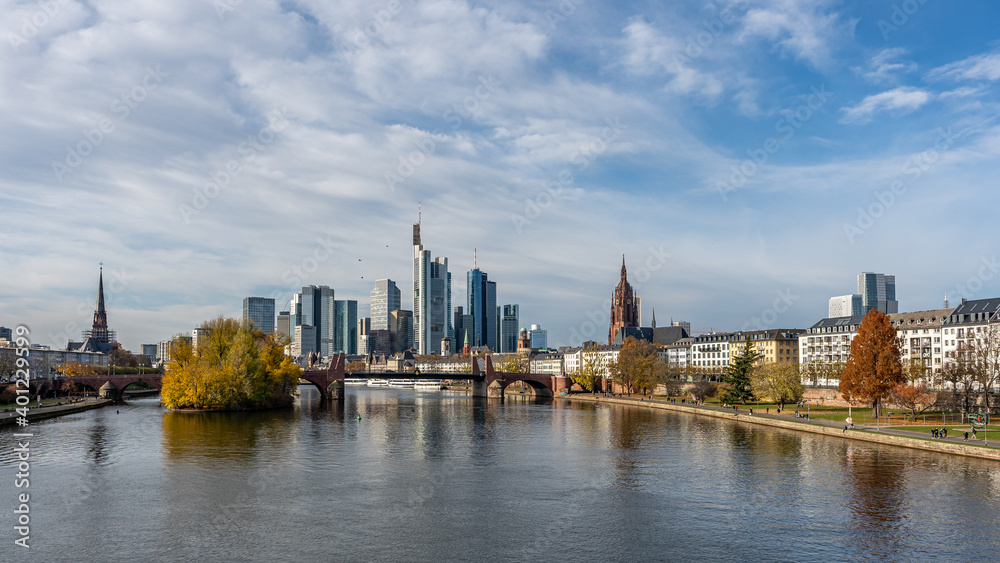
(75, 369)
(738, 375)
(516, 363)
(981, 352)
(873, 366)
(913, 398)
(671, 376)
(121, 357)
(633, 369)
(778, 382)
(590, 370)
(354, 366)
(234, 367)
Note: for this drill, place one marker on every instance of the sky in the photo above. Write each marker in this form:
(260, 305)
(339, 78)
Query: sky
(748, 159)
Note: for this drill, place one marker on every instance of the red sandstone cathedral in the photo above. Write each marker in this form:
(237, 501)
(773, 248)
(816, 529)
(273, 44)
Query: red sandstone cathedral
(624, 306)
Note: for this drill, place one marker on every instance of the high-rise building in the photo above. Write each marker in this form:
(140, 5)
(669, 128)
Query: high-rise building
(482, 305)
(878, 291)
(305, 340)
(401, 330)
(462, 327)
(364, 328)
(260, 312)
(624, 306)
(846, 306)
(6, 334)
(384, 298)
(198, 336)
(346, 327)
(431, 298)
(508, 329)
(284, 324)
(539, 337)
(314, 306)
(149, 350)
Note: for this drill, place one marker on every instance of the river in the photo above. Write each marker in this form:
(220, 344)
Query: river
(441, 476)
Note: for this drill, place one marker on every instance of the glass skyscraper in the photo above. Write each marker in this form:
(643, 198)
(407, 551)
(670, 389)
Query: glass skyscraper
(385, 298)
(878, 291)
(482, 305)
(346, 327)
(509, 330)
(260, 312)
(431, 299)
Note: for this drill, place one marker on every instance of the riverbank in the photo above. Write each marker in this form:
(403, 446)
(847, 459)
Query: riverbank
(902, 438)
(41, 413)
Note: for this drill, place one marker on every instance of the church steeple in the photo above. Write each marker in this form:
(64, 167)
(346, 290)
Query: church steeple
(100, 330)
(654, 318)
(624, 306)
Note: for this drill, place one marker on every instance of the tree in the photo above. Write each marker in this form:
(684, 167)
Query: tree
(981, 351)
(74, 369)
(633, 369)
(516, 363)
(873, 366)
(121, 357)
(354, 366)
(8, 362)
(672, 377)
(703, 390)
(590, 371)
(778, 382)
(915, 399)
(738, 375)
(234, 367)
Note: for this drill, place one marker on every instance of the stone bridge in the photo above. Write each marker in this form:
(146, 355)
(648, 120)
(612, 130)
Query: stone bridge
(118, 382)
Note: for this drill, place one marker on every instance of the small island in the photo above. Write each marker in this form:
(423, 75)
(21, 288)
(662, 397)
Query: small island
(234, 367)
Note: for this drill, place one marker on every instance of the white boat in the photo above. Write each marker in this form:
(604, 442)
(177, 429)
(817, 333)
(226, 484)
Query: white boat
(402, 383)
(428, 386)
(355, 381)
(378, 383)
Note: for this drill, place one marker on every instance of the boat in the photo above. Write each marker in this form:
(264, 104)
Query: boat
(378, 383)
(355, 381)
(428, 386)
(402, 383)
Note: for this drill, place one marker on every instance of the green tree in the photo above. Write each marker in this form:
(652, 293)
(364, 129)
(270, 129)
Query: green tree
(778, 382)
(633, 369)
(738, 375)
(873, 366)
(515, 363)
(590, 370)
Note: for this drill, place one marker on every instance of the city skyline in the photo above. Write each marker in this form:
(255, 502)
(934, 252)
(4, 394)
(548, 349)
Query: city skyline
(739, 154)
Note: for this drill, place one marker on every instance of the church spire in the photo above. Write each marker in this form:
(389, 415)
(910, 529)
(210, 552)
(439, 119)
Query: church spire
(624, 275)
(654, 318)
(100, 314)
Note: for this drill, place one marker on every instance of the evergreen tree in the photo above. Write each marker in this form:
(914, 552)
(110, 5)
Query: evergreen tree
(738, 375)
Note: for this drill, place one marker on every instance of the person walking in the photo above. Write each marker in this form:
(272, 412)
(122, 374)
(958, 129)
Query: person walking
(966, 436)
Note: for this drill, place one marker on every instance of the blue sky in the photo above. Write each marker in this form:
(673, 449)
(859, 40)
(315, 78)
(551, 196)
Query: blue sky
(748, 158)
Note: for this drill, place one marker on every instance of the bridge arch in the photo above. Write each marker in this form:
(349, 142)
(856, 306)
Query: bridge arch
(322, 389)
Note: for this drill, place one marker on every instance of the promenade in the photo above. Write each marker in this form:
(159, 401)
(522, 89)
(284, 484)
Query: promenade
(41, 413)
(903, 438)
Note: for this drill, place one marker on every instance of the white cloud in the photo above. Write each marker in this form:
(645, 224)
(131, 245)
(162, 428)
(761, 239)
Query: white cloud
(984, 66)
(807, 31)
(650, 52)
(884, 67)
(904, 99)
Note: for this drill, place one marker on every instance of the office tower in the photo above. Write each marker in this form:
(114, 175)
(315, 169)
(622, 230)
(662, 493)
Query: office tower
(539, 337)
(431, 298)
(198, 336)
(149, 350)
(384, 298)
(845, 306)
(364, 328)
(401, 330)
(260, 312)
(346, 327)
(283, 324)
(508, 329)
(878, 291)
(6, 334)
(463, 324)
(305, 340)
(314, 306)
(482, 305)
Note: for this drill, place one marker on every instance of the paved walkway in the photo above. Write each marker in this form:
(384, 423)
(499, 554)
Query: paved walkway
(35, 413)
(744, 410)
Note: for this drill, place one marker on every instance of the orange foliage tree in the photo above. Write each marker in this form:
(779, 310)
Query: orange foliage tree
(873, 368)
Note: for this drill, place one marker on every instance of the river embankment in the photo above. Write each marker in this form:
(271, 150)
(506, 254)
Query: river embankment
(41, 413)
(954, 446)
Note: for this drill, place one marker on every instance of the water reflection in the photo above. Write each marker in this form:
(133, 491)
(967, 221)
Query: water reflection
(877, 499)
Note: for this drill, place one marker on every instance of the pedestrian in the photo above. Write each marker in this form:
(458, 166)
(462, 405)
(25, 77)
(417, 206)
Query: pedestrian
(945, 433)
(933, 432)
(751, 411)
(845, 430)
(767, 410)
(966, 436)
(973, 433)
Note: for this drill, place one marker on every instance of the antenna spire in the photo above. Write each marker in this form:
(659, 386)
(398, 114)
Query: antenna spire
(418, 212)
(475, 259)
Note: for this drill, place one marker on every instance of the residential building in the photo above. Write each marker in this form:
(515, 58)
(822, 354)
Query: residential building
(826, 343)
(846, 306)
(601, 355)
(508, 328)
(679, 353)
(921, 335)
(431, 298)
(551, 363)
(878, 291)
(710, 352)
(539, 337)
(777, 345)
(260, 312)
(384, 299)
(967, 327)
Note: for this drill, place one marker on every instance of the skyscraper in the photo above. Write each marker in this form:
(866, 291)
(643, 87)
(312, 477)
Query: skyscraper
(283, 327)
(346, 327)
(384, 298)
(878, 291)
(260, 312)
(845, 306)
(314, 306)
(431, 298)
(508, 328)
(400, 330)
(539, 337)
